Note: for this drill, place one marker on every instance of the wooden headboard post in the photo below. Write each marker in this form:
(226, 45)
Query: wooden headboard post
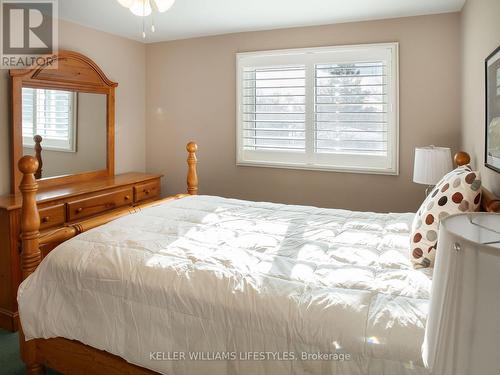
(461, 158)
(31, 255)
(489, 203)
(192, 177)
(38, 155)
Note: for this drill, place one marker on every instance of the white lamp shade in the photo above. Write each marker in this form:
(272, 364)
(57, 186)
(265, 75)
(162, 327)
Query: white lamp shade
(431, 164)
(463, 327)
(163, 5)
(141, 8)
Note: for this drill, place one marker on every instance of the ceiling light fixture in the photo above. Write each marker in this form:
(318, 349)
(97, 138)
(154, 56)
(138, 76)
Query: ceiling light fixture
(145, 8)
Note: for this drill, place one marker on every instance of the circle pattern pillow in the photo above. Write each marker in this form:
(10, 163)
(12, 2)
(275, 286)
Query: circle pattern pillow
(458, 191)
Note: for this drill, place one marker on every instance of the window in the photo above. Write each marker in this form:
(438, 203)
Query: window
(333, 108)
(52, 115)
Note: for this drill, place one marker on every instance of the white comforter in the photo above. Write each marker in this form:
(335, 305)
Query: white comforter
(212, 275)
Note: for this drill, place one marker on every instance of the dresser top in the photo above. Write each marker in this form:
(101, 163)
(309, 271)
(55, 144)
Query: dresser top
(12, 202)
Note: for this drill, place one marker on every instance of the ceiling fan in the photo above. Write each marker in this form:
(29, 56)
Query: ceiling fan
(144, 8)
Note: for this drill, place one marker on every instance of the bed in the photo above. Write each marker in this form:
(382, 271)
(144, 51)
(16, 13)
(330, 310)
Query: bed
(201, 284)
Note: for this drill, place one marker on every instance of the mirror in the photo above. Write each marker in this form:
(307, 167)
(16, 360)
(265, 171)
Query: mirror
(63, 113)
(65, 130)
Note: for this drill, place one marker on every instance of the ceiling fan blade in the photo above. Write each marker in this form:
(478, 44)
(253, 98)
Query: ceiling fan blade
(126, 3)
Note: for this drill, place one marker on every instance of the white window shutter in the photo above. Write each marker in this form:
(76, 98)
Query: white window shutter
(331, 108)
(274, 109)
(50, 114)
(351, 108)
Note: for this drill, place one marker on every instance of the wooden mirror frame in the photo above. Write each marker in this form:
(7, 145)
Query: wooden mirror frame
(74, 72)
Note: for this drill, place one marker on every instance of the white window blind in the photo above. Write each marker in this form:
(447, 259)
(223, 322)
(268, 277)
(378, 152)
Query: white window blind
(50, 114)
(333, 108)
(274, 108)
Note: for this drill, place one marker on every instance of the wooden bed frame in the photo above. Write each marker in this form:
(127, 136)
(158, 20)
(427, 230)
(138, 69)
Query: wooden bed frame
(73, 357)
(68, 356)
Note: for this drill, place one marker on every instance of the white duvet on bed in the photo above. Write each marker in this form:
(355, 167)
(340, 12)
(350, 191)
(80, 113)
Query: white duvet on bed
(227, 277)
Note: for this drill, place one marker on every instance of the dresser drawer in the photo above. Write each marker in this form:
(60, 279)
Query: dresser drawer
(146, 191)
(94, 205)
(52, 216)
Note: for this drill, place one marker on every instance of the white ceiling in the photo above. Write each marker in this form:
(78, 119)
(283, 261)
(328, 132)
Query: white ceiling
(194, 18)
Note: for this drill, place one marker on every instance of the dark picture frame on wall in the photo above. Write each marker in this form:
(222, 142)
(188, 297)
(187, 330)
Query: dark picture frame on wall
(492, 84)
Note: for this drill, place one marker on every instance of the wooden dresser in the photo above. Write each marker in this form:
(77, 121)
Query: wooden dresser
(59, 205)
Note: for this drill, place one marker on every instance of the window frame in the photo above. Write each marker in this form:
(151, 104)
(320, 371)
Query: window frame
(310, 57)
(52, 144)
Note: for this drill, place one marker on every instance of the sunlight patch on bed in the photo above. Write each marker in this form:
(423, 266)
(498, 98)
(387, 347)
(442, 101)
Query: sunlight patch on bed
(373, 340)
(337, 345)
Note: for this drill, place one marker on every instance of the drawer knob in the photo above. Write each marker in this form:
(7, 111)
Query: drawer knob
(79, 209)
(148, 191)
(127, 197)
(45, 219)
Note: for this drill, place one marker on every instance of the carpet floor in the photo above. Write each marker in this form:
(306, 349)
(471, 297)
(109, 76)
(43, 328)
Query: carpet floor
(10, 360)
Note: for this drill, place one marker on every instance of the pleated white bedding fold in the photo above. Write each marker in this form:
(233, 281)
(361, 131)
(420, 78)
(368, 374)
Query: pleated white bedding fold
(209, 274)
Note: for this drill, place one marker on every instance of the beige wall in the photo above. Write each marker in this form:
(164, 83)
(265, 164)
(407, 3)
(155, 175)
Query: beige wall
(191, 95)
(480, 36)
(123, 61)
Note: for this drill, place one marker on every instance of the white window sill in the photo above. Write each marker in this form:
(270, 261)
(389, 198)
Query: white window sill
(324, 168)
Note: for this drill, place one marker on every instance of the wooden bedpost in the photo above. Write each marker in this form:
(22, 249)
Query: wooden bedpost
(192, 177)
(461, 158)
(30, 219)
(30, 255)
(38, 155)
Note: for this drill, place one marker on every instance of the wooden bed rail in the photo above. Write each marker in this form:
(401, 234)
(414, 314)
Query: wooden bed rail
(63, 234)
(31, 254)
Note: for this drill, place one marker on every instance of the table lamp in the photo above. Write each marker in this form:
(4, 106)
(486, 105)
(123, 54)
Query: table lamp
(431, 164)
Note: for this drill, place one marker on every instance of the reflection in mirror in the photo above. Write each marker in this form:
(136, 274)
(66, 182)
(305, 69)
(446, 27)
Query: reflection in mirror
(64, 130)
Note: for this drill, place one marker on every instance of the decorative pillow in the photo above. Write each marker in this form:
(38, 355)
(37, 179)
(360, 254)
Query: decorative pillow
(458, 191)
